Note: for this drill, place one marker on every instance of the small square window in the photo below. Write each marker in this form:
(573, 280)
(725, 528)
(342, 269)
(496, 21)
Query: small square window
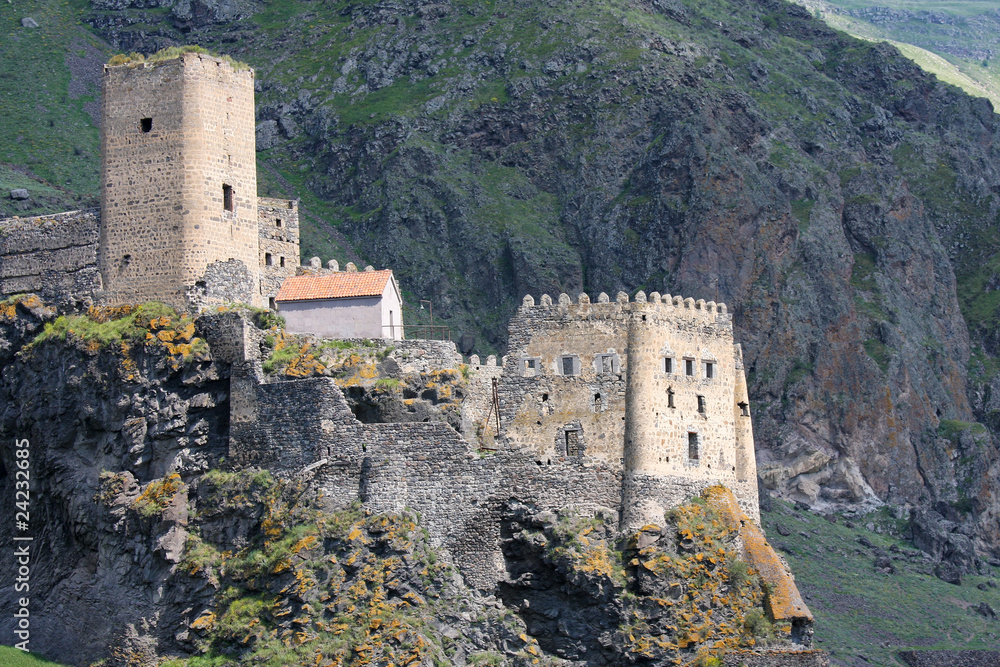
(689, 367)
(668, 365)
(709, 370)
(227, 197)
(277, 222)
(146, 125)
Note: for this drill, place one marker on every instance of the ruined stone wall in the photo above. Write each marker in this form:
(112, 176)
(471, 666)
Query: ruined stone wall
(476, 407)
(565, 373)
(278, 230)
(177, 151)
(53, 256)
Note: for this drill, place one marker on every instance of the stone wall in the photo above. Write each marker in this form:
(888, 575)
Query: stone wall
(478, 403)
(54, 256)
(178, 177)
(653, 385)
(278, 230)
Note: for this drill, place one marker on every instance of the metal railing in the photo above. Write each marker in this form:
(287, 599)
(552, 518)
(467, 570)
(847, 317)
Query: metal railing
(426, 332)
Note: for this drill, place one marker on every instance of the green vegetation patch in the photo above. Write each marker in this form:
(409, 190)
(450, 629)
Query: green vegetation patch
(862, 612)
(45, 129)
(171, 53)
(12, 657)
(879, 352)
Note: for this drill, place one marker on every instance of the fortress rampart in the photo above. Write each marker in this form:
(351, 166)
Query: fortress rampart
(654, 385)
(53, 256)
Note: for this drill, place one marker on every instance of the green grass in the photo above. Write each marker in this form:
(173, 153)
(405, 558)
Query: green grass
(858, 610)
(12, 657)
(131, 327)
(43, 128)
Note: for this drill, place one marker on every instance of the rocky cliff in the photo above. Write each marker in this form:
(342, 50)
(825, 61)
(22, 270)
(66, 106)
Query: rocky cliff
(840, 200)
(148, 545)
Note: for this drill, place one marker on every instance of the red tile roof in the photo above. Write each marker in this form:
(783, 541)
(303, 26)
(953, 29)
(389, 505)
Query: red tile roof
(340, 285)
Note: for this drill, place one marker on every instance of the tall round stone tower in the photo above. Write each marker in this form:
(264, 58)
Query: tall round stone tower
(687, 423)
(179, 183)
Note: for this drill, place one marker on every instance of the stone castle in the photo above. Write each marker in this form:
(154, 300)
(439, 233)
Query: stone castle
(180, 220)
(623, 406)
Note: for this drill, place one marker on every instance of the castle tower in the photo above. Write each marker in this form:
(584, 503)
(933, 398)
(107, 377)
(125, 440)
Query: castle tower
(685, 428)
(179, 215)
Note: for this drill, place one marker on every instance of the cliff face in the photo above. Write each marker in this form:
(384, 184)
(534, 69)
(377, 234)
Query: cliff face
(148, 545)
(842, 202)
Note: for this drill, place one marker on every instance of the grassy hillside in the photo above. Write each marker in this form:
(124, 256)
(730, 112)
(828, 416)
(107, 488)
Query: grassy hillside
(12, 657)
(861, 612)
(953, 50)
(48, 106)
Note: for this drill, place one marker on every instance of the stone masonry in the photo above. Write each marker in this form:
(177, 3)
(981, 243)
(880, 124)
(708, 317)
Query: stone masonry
(180, 220)
(654, 386)
(53, 256)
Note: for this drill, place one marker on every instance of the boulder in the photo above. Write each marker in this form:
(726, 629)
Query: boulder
(28, 22)
(19, 193)
(947, 572)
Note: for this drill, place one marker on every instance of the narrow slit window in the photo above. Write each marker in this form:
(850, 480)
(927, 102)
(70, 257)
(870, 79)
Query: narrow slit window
(693, 453)
(281, 262)
(146, 125)
(701, 405)
(597, 403)
(227, 197)
(689, 367)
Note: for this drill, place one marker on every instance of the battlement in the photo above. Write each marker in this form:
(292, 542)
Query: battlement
(696, 311)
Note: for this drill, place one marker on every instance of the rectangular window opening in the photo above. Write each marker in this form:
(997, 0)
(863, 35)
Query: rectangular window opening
(146, 125)
(268, 260)
(271, 303)
(568, 366)
(701, 405)
(689, 367)
(227, 197)
(693, 453)
(281, 262)
(709, 370)
(277, 222)
(572, 443)
(668, 365)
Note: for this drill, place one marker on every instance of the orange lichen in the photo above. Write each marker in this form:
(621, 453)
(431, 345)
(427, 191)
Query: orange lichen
(782, 600)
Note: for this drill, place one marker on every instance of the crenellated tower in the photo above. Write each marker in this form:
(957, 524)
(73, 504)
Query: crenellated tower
(652, 386)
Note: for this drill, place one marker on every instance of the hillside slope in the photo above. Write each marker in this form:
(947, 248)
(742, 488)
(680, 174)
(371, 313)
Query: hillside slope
(840, 200)
(957, 41)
